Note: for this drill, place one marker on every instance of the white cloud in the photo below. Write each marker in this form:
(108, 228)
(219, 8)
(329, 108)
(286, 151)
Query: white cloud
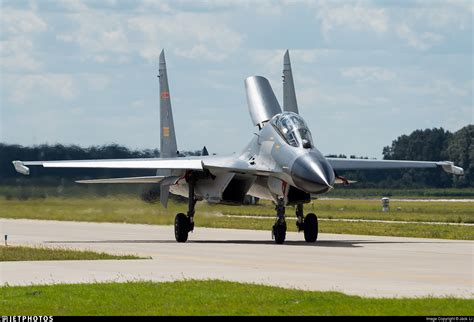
(19, 28)
(101, 36)
(261, 7)
(443, 88)
(199, 52)
(21, 21)
(33, 87)
(422, 41)
(96, 82)
(442, 17)
(111, 36)
(138, 104)
(196, 36)
(16, 54)
(352, 17)
(368, 73)
(72, 5)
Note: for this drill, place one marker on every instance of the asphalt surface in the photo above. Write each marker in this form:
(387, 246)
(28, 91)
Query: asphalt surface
(361, 265)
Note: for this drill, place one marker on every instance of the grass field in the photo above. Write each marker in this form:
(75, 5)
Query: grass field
(133, 210)
(210, 298)
(29, 187)
(23, 253)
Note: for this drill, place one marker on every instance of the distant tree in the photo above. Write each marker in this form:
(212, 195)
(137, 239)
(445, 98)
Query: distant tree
(461, 151)
(426, 145)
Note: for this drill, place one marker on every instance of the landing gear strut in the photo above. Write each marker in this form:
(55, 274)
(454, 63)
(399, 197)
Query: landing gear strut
(183, 224)
(308, 224)
(279, 228)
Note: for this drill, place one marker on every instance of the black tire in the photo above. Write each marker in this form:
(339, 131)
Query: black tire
(279, 231)
(311, 228)
(181, 228)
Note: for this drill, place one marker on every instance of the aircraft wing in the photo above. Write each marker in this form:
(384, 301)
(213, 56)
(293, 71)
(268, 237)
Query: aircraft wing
(152, 163)
(367, 164)
(229, 164)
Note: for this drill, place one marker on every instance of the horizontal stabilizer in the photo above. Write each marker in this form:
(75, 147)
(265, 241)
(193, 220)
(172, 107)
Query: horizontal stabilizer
(150, 179)
(169, 181)
(341, 181)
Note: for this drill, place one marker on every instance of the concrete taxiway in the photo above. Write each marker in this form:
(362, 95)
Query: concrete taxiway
(362, 265)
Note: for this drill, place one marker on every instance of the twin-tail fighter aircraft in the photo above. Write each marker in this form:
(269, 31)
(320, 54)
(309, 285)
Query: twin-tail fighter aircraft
(281, 163)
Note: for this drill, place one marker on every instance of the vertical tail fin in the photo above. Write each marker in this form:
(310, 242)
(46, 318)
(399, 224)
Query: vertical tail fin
(168, 146)
(289, 95)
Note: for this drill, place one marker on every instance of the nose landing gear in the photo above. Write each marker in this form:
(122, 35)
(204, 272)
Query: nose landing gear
(308, 224)
(311, 228)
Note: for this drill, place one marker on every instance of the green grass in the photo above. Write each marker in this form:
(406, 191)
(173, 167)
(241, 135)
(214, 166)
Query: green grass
(23, 253)
(210, 297)
(133, 210)
(35, 187)
(353, 191)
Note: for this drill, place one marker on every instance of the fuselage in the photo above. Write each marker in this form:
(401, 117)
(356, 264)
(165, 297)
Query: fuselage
(284, 147)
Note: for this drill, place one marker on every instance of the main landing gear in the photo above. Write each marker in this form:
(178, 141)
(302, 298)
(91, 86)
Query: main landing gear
(279, 228)
(183, 224)
(308, 224)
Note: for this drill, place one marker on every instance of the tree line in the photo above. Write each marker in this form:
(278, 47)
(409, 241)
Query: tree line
(434, 144)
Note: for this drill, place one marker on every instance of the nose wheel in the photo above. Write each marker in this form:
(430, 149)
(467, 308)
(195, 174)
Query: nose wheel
(308, 224)
(310, 228)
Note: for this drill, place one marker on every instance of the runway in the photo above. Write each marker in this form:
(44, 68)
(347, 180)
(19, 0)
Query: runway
(360, 265)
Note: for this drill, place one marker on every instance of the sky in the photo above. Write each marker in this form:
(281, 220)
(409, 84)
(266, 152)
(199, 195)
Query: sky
(84, 72)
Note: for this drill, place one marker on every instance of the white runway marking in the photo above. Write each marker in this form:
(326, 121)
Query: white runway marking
(361, 220)
(362, 265)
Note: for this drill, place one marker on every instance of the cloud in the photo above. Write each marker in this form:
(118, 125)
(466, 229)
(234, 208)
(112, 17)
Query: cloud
(72, 5)
(195, 36)
(21, 22)
(16, 54)
(94, 81)
(106, 36)
(368, 74)
(19, 28)
(442, 17)
(261, 7)
(101, 36)
(422, 41)
(138, 104)
(33, 87)
(352, 17)
(439, 87)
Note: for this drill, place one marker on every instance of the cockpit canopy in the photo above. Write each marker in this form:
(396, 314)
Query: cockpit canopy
(293, 129)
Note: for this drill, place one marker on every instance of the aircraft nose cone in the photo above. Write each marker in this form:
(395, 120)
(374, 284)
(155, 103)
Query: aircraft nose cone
(312, 173)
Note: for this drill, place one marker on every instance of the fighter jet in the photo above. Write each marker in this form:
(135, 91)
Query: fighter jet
(281, 162)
